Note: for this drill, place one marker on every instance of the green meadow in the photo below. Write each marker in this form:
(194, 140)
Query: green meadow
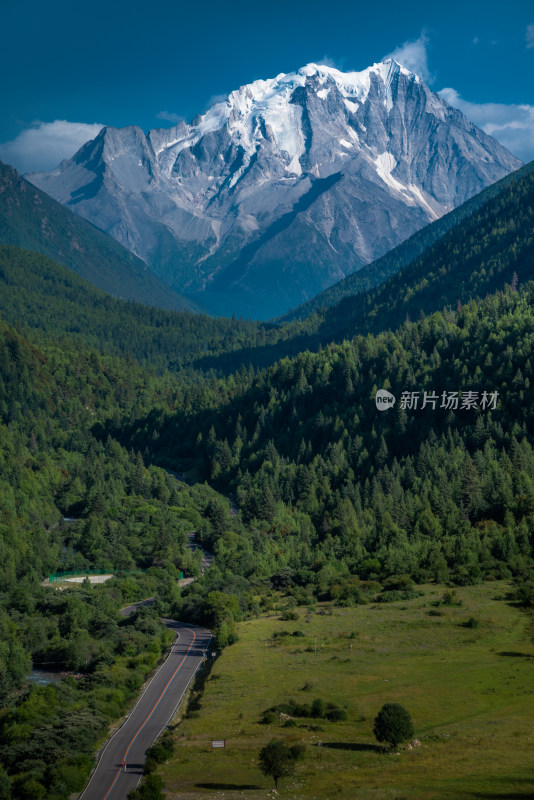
(469, 689)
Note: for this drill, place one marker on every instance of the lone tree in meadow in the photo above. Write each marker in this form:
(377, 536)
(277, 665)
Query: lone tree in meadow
(393, 724)
(277, 760)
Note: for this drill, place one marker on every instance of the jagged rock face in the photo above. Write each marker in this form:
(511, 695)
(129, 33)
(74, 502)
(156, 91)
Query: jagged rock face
(286, 187)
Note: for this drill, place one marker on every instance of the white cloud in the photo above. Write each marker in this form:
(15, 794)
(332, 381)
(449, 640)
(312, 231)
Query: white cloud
(216, 98)
(327, 61)
(45, 144)
(512, 125)
(413, 55)
(170, 116)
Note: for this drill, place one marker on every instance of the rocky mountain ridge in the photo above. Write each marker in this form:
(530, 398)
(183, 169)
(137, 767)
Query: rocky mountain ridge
(284, 188)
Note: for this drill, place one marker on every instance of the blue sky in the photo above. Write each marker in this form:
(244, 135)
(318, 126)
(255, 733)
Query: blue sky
(68, 68)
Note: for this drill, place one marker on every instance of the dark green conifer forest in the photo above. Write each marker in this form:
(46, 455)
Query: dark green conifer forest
(346, 489)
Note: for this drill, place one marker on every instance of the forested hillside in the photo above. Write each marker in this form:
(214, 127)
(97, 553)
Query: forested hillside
(124, 517)
(439, 493)
(39, 293)
(31, 219)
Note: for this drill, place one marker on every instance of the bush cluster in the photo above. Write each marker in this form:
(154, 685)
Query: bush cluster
(318, 709)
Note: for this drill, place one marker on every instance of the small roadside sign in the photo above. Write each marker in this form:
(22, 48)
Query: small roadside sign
(218, 743)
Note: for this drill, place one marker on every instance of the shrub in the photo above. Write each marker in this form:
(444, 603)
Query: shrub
(472, 622)
(298, 751)
(394, 595)
(150, 766)
(450, 598)
(161, 750)
(525, 594)
(150, 789)
(336, 715)
(318, 708)
(401, 582)
(31, 789)
(303, 710)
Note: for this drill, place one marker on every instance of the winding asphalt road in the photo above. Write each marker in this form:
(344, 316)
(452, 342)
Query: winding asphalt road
(154, 709)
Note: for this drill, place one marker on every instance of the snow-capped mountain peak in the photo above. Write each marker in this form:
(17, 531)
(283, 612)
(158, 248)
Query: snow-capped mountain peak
(287, 185)
(270, 100)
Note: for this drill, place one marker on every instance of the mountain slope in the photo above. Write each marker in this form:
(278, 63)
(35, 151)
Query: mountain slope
(436, 492)
(477, 256)
(37, 293)
(31, 219)
(372, 275)
(286, 187)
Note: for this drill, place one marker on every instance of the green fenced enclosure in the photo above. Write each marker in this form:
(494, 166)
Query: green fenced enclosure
(55, 577)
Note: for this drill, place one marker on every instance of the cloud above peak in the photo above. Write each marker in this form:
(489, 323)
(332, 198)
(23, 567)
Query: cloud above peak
(512, 125)
(45, 144)
(414, 56)
(327, 61)
(170, 116)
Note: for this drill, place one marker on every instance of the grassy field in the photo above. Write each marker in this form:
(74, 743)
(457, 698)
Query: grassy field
(470, 691)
